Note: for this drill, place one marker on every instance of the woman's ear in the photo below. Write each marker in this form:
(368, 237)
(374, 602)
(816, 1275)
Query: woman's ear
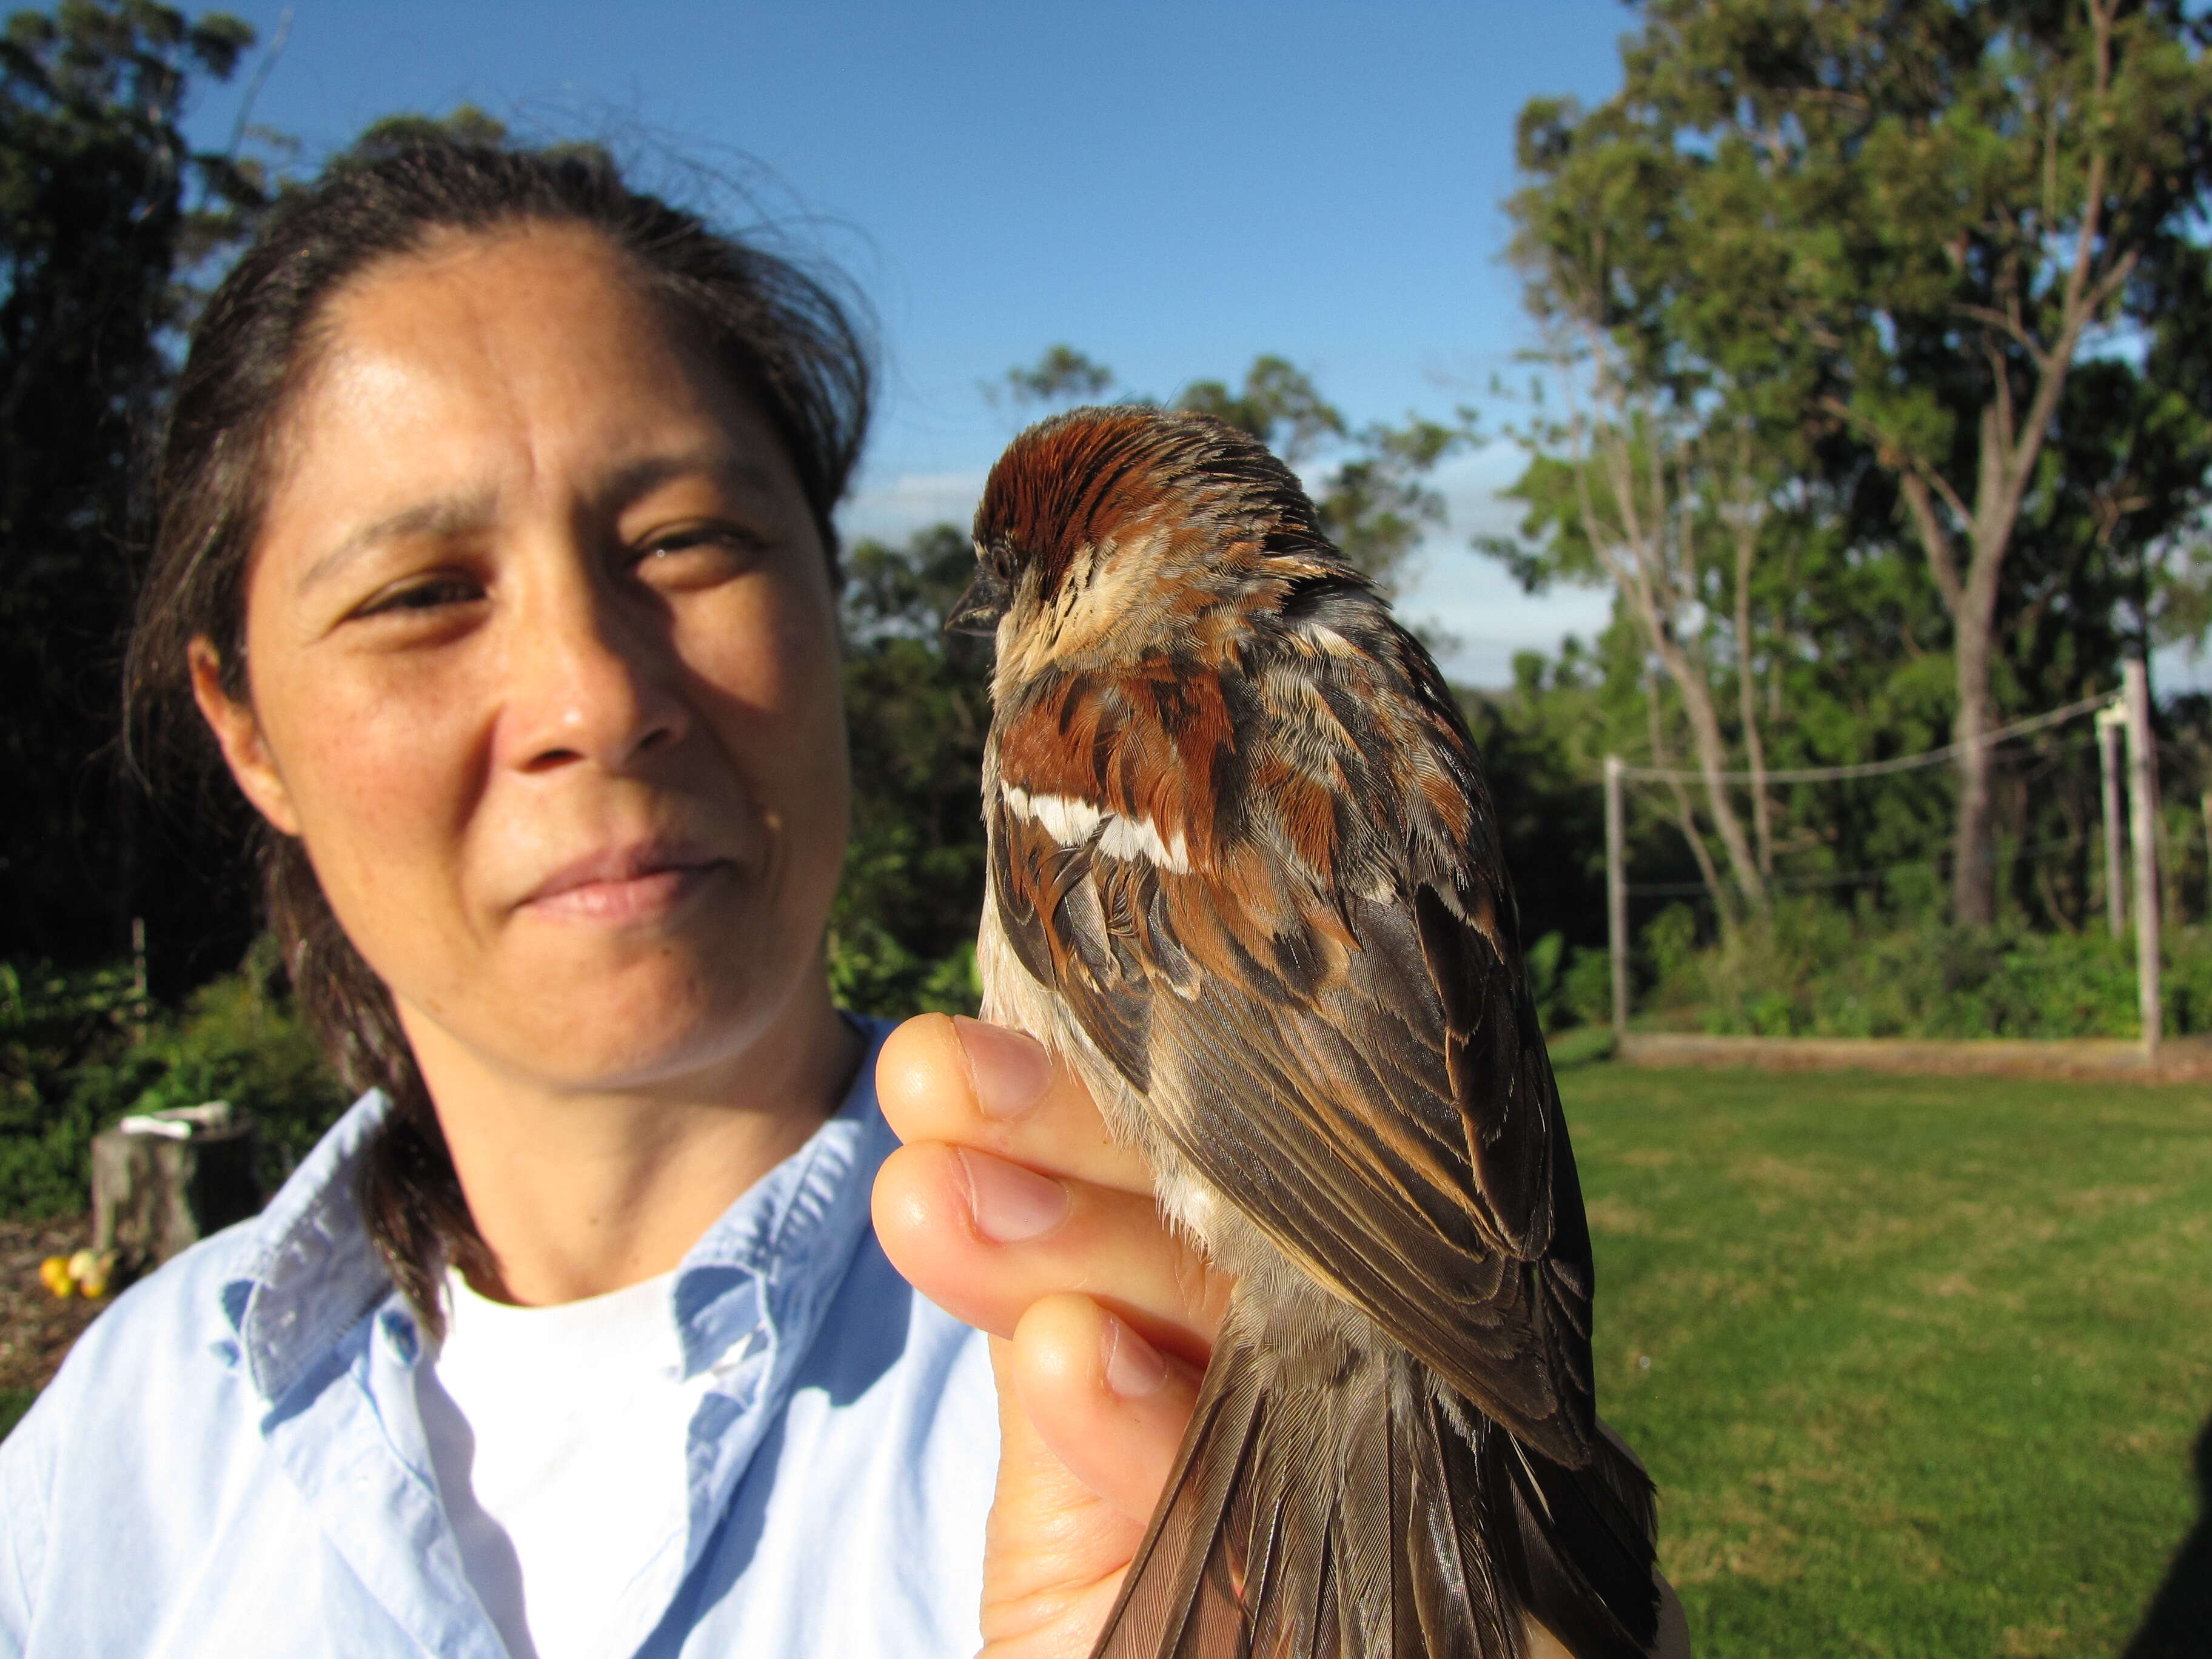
(238, 732)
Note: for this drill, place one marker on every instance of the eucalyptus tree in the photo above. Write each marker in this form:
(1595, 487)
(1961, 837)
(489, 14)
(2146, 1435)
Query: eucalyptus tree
(1898, 225)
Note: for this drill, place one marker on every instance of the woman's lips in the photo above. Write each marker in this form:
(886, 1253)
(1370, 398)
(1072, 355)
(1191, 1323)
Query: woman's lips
(639, 883)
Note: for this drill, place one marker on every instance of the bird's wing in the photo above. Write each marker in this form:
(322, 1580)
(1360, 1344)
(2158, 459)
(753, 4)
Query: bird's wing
(1283, 920)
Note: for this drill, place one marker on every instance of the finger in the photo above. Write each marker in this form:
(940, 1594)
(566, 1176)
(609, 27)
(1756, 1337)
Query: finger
(974, 1084)
(983, 1238)
(1109, 1405)
(1055, 1549)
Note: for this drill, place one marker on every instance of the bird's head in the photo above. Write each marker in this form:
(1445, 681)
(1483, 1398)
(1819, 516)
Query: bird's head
(1108, 532)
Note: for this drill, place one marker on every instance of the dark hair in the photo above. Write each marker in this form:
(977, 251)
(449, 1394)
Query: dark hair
(782, 334)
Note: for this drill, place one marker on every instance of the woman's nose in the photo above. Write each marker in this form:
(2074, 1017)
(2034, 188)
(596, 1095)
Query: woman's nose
(593, 678)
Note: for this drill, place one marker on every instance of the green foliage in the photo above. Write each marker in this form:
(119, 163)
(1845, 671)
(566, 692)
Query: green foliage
(872, 973)
(1817, 970)
(390, 134)
(55, 1028)
(1938, 269)
(1586, 987)
(1571, 986)
(1543, 742)
(917, 704)
(80, 1050)
(1278, 404)
(106, 215)
(1061, 377)
(1540, 961)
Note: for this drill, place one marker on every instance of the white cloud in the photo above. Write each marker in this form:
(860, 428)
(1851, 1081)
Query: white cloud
(1472, 598)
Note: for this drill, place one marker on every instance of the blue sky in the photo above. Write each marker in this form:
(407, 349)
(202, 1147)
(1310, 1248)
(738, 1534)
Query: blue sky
(1172, 188)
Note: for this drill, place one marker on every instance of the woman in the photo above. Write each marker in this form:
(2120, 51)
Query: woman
(495, 552)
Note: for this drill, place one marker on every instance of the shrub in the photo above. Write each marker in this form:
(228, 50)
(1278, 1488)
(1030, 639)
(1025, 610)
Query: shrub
(79, 1051)
(1815, 970)
(871, 972)
(1586, 989)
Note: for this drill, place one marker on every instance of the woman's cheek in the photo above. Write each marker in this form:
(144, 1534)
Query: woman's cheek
(385, 775)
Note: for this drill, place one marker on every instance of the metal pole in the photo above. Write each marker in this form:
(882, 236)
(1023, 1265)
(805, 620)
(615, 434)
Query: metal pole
(2143, 820)
(2109, 722)
(1616, 899)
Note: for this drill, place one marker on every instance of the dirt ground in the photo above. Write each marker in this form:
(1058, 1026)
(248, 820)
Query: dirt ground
(2181, 1060)
(36, 1327)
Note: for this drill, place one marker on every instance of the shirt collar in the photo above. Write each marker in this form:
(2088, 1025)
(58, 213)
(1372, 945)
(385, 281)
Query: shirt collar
(790, 1235)
(313, 1275)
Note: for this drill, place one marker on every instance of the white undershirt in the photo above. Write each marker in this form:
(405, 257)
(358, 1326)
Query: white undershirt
(558, 1438)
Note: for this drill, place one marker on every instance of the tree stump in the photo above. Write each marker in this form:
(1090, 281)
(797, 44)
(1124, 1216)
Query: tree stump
(154, 1195)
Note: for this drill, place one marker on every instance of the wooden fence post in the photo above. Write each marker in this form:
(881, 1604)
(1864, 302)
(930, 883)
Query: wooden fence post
(1616, 899)
(2143, 815)
(2109, 723)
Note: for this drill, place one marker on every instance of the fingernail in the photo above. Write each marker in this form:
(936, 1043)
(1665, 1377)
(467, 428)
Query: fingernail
(1010, 1203)
(1010, 1070)
(1134, 1368)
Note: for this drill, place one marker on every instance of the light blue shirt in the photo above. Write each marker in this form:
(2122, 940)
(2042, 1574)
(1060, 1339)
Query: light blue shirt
(231, 1461)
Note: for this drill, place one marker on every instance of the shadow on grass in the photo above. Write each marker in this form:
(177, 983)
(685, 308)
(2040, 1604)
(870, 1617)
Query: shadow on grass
(2179, 1625)
(1585, 1045)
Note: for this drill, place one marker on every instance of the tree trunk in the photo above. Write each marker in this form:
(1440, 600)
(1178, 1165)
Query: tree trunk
(1683, 815)
(1747, 691)
(1974, 871)
(1712, 761)
(2010, 441)
(1634, 550)
(152, 1197)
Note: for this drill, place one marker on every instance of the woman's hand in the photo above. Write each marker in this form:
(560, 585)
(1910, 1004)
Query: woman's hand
(1010, 1207)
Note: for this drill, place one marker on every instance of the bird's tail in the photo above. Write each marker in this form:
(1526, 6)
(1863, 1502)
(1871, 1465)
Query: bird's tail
(1330, 1505)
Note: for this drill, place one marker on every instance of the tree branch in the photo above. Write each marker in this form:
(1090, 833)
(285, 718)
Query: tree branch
(1941, 559)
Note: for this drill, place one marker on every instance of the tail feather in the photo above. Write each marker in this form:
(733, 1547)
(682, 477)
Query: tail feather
(1183, 1596)
(1333, 1505)
(1585, 1538)
(1440, 1579)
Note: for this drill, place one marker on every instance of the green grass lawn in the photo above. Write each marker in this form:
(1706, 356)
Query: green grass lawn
(1917, 1362)
(1926, 1357)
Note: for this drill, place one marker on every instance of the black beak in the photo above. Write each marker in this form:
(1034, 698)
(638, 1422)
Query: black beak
(978, 610)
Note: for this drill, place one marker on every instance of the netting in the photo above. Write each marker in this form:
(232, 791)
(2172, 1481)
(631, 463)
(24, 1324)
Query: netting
(2068, 775)
(1881, 833)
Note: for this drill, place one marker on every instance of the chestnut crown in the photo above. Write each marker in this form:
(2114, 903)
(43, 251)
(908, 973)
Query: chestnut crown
(1073, 492)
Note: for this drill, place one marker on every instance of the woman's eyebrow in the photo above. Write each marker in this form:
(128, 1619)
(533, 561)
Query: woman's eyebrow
(457, 515)
(627, 482)
(450, 516)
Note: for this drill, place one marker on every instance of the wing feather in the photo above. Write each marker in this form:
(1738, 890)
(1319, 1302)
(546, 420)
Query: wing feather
(1344, 1048)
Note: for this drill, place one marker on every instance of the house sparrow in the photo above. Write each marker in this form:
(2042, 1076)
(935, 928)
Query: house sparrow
(1245, 879)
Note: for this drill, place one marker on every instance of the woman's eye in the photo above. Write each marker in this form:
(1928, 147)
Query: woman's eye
(420, 598)
(705, 550)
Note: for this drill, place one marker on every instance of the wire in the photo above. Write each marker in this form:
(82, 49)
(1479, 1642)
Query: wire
(1875, 769)
(1846, 877)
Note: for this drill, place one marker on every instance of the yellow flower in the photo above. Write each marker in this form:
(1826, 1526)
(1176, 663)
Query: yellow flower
(92, 1272)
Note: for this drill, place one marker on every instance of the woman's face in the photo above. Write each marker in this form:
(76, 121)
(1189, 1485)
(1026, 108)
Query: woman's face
(543, 671)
